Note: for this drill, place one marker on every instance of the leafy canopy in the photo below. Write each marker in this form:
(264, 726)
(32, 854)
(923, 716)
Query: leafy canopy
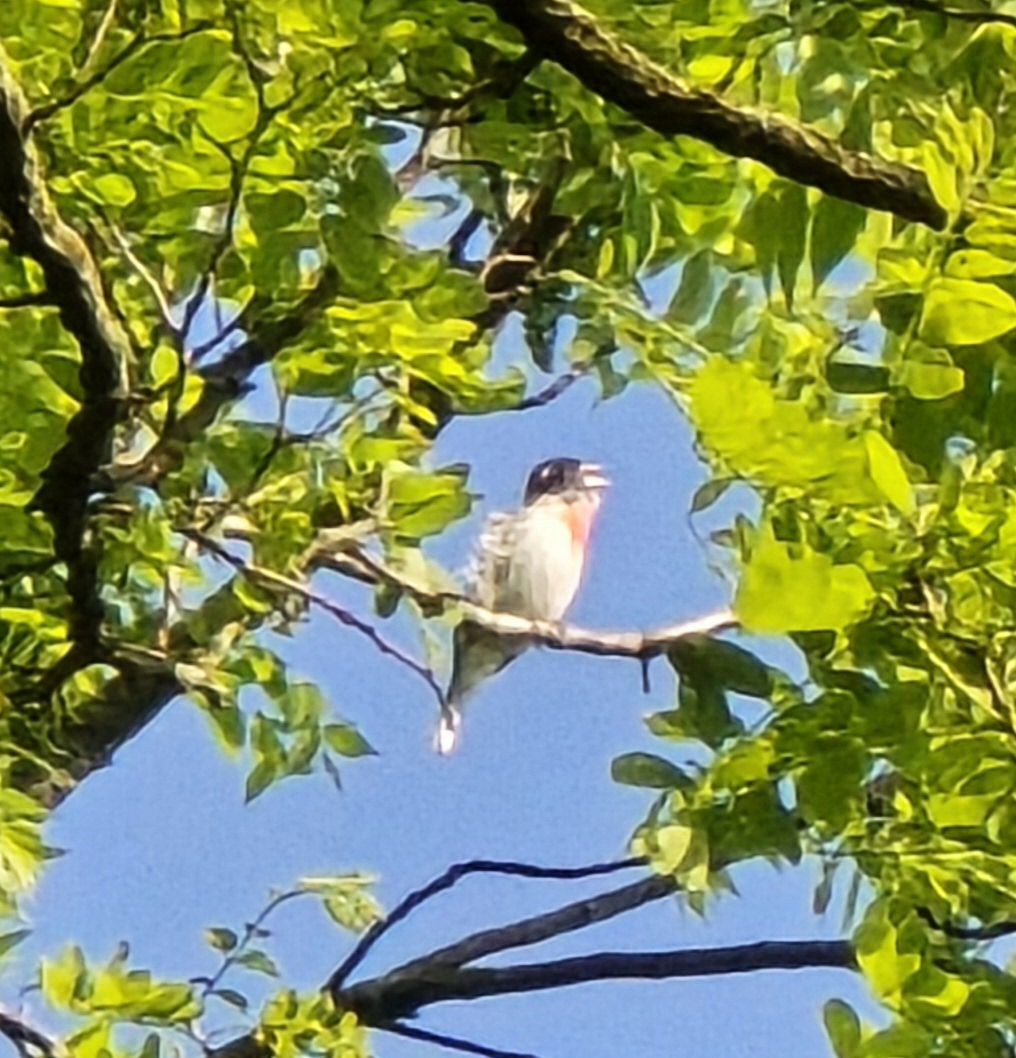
(359, 195)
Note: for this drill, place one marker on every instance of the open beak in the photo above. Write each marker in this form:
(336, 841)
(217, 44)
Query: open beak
(593, 477)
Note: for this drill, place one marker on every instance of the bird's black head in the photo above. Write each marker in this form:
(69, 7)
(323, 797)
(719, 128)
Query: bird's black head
(561, 476)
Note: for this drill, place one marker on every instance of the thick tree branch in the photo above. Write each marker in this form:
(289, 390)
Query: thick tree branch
(36, 231)
(380, 1001)
(567, 34)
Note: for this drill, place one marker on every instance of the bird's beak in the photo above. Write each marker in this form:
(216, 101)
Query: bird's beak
(593, 477)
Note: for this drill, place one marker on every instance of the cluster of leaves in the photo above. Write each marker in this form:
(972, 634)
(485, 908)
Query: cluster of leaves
(248, 179)
(117, 1010)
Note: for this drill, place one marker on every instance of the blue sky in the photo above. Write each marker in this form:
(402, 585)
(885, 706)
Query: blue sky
(161, 845)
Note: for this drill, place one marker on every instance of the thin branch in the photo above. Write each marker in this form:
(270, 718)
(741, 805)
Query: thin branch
(237, 173)
(21, 301)
(960, 14)
(971, 933)
(353, 561)
(579, 914)
(276, 581)
(549, 393)
(444, 882)
(452, 1043)
(28, 1042)
(202, 350)
(146, 276)
(228, 378)
(139, 40)
(383, 1000)
(565, 33)
(251, 930)
(105, 25)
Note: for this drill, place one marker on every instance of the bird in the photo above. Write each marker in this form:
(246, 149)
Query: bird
(528, 563)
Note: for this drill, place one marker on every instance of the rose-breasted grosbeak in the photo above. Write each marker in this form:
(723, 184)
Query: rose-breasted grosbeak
(528, 563)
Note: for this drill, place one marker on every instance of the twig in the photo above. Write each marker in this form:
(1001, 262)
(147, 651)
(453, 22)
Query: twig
(25, 1037)
(445, 881)
(972, 933)
(961, 14)
(549, 393)
(100, 35)
(202, 350)
(228, 378)
(145, 274)
(383, 1000)
(271, 579)
(139, 40)
(452, 1043)
(249, 933)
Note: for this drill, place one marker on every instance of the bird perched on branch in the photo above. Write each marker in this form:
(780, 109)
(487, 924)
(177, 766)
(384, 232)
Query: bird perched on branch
(528, 563)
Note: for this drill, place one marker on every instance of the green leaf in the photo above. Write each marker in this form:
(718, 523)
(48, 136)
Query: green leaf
(834, 228)
(793, 229)
(705, 659)
(647, 769)
(929, 374)
(115, 189)
(221, 939)
(62, 978)
(12, 940)
(790, 588)
(965, 312)
(232, 997)
(843, 1027)
(886, 469)
(347, 741)
(258, 962)
(695, 291)
(708, 493)
(261, 776)
(847, 377)
(877, 943)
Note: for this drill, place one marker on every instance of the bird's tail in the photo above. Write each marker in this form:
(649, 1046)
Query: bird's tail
(478, 655)
(448, 728)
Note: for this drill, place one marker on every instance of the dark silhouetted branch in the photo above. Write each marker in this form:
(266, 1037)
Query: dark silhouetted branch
(36, 231)
(977, 17)
(565, 33)
(993, 931)
(529, 931)
(451, 877)
(28, 1042)
(383, 1000)
(452, 1043)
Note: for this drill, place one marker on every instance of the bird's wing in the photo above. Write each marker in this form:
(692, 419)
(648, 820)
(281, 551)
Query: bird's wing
(491, 561)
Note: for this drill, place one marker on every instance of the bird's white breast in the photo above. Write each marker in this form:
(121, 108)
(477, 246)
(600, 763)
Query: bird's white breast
(531, 563)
